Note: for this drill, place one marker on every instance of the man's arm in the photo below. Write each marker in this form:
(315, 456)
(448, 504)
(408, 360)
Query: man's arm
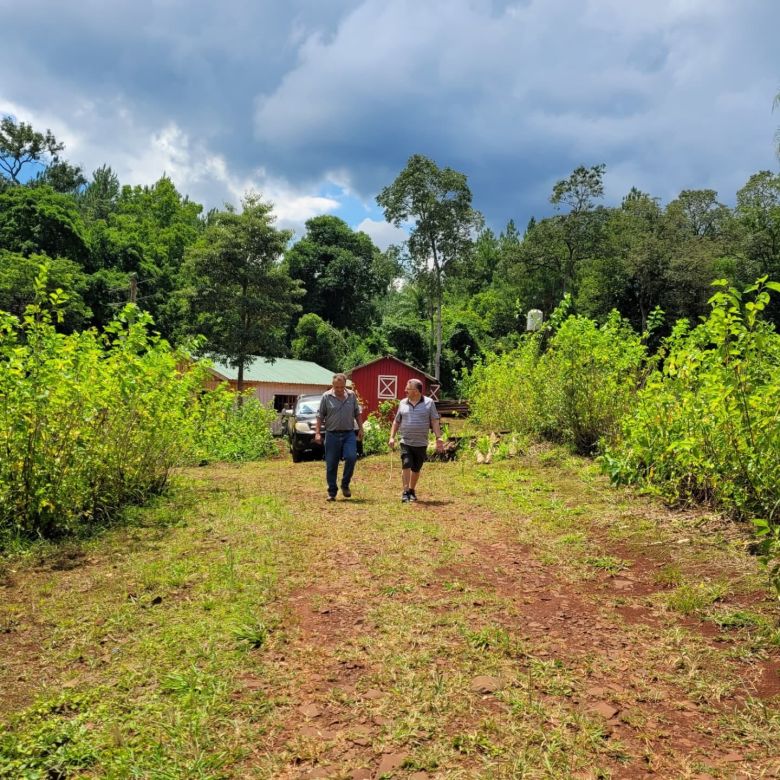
(358, 413)
(436, 428)
(394, 429)
(321, 412)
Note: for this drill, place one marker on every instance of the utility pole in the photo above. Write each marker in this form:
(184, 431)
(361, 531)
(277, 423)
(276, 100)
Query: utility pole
(133, 287)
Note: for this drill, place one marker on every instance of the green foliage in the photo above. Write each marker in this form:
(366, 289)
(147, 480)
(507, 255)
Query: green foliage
(769, 537)
(17, 285)
(342, 272)
(228, 430)
(576, 391)
(91, 422)
(56, 742)
(37, 220)
(376, 432)
(706, 424)
(319, 341)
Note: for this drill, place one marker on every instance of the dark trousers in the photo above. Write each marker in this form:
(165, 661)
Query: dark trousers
(338, 445)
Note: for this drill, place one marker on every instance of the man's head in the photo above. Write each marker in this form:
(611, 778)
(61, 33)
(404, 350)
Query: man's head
(414, 388)
(339, 382)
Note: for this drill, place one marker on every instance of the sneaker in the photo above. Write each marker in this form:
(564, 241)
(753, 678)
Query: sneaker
(331, 498)
(346, 492)
(412, 496)
(405, 496)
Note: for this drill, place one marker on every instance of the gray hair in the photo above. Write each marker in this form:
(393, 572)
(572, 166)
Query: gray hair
(339, 376)
(418, 384)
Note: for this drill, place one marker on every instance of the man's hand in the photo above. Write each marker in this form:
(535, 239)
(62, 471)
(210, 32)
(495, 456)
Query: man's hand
(317, 438)
(439, 445)
(360, 434)
(391, 443)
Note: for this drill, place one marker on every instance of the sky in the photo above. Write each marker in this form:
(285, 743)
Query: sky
(318, 104)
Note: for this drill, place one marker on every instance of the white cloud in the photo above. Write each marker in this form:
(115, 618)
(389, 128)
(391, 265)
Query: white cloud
(383, 234)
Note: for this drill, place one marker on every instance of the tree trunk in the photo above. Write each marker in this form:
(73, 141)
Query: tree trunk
(240, 382)
(437, 366)
(437, 297)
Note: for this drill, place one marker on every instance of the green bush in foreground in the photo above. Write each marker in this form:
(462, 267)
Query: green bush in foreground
(706, 425)
(91, 422)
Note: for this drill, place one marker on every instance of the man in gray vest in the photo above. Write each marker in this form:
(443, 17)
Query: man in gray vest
(339, 413)
(416, 415)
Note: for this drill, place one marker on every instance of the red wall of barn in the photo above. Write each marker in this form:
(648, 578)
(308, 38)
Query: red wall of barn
(366, 381)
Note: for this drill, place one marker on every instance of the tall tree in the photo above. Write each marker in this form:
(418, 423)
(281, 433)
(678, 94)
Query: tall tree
(37, 220)
(438, 200)
(319, 341)
(578, 192)
(21, 145)
(241, 299)
(342, 272)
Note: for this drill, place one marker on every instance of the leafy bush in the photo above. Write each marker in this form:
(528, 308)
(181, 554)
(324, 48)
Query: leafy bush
(576, 391)
(376, 432)
(706, 426)
(91, 422)
(228, 430)
(588, 379)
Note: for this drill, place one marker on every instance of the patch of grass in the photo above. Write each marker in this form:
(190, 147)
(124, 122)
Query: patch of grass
(253, 633)
(737, 618)
(495, 639)
(693, 598)
(607, 563)
(669, 576)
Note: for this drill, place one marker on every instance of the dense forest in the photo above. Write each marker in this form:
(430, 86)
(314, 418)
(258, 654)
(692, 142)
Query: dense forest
(456, 290)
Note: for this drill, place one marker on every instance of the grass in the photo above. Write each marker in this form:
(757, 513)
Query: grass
(189, 641)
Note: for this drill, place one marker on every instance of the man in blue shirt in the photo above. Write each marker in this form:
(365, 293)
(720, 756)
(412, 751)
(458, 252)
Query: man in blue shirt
(416, 416)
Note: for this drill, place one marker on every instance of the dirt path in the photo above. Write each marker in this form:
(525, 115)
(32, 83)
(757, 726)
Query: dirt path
(521, 620)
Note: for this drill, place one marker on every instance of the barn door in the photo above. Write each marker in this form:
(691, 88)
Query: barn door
(433, 389)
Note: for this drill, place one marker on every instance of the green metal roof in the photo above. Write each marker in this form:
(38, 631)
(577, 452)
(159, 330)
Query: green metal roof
(280, 371)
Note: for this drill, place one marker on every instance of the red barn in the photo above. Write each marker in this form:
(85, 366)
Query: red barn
(385, 378)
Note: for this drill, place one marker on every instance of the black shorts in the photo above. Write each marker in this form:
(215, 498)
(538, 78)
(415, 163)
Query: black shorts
(413, 457)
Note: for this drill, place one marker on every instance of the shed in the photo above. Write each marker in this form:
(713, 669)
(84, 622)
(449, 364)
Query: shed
(385, 378)
(279, 381)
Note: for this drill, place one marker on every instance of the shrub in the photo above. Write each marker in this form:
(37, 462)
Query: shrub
(226, 429)
(376, 432)
(88, 421)
(576, 391)
(706, 426)
(91, 422)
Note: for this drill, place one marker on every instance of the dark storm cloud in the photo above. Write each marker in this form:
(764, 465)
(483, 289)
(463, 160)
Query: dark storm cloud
(297, 97)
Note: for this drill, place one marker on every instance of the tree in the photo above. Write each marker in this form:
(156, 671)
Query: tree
(20, 145)
(632, 270)
(240, 297)
(758, 212)
(318, 341)
(342, 272)
(438, 200)
(100, 197)
(18, 275)
(61, 176)
(144, 231)
(577, 227)
(37, 220)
